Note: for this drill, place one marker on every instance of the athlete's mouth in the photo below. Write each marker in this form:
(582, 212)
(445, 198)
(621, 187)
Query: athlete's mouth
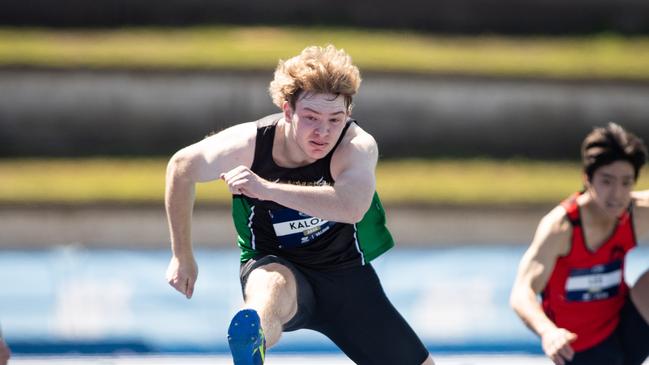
(319, 144)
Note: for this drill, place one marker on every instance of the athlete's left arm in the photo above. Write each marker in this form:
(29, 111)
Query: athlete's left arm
(347, 201)
(641, 213)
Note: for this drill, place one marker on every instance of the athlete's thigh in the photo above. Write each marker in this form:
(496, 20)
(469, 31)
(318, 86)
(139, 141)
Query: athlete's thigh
(298, 293)
(366, 325)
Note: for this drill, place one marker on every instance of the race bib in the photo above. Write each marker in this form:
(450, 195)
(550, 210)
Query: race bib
(295, 229)
(594, 283)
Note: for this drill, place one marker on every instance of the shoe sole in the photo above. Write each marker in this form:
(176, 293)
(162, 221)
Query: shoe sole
(243, 337)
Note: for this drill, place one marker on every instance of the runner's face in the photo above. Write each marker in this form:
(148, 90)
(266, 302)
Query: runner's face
(317, 122)
(611, 187)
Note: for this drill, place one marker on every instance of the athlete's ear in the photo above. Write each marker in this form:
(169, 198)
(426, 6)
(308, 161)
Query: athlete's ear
(288, 111)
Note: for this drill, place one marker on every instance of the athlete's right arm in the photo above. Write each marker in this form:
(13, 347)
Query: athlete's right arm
(200, 162)
(552, 239)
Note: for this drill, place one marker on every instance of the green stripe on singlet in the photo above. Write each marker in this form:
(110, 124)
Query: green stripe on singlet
(372, 234)
(241, 214)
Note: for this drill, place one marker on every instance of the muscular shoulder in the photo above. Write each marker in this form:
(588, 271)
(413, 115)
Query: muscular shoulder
(557, 221)
(552, 240)
(229, 148)
(357, 140)
(555, 231)
(357, 150)
(237, 135)
(218, 153)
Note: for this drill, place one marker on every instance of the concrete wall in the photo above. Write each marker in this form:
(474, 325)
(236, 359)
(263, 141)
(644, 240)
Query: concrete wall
(48, 113)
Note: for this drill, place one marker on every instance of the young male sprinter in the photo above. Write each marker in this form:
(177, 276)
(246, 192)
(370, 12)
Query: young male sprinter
(588, 314)
(307, 216)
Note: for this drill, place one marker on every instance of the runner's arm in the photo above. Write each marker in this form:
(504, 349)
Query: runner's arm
(201, 162)
(551, 240)
(535, 269)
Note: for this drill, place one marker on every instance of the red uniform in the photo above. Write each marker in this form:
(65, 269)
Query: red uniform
(587, 291)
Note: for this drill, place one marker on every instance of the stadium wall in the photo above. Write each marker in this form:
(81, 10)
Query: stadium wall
(66, 113)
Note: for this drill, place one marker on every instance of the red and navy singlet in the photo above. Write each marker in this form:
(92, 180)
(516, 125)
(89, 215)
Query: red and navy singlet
(587, 289)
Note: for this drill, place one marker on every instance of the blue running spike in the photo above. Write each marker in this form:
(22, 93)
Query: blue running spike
(246, 338)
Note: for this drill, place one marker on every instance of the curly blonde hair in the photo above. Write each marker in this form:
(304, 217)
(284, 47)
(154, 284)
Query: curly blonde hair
(325, 70)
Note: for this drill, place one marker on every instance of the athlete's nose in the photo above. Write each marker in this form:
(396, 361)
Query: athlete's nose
(322, 130)
(616, 194)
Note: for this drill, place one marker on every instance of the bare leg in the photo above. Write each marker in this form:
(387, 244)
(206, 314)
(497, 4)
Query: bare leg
(640, 295)
(271, 291)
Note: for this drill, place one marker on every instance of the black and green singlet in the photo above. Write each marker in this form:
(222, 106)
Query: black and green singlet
(268, 228)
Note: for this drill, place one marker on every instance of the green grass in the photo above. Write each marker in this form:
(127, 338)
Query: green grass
(259, 48)
(137, 180)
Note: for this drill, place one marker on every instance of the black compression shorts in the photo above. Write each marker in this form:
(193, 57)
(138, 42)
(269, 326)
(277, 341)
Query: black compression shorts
(627, 345)
(349, 306)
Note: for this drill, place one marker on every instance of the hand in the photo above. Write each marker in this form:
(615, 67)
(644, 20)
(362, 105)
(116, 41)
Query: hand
(241, 180)
(556, 345)
(182, 274)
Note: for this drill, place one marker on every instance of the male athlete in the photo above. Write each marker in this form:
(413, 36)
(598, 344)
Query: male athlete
(588, 314)
(307, 216)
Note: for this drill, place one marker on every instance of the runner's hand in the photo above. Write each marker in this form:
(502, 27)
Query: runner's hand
(241, 180)
(182, 274)
(556, 345)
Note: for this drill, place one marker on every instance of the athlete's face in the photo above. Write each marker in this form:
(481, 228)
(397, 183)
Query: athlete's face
(611, 186)
(316, 123)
